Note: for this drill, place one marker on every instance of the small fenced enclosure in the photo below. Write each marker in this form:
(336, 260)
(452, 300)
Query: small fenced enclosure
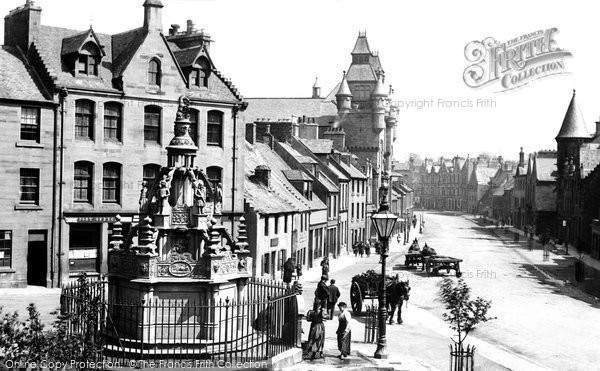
(244, 330)
(371, 323)
(461, 358)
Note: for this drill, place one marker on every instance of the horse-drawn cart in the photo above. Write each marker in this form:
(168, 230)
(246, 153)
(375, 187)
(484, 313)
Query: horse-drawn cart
(435, 263)
(365, 286)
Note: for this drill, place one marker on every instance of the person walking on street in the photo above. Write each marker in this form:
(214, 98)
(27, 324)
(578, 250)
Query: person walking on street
(321, 294)
(325, 266)
(361, 250)
(343, 332)
(316, 335)
(368, 249)
(334, 295)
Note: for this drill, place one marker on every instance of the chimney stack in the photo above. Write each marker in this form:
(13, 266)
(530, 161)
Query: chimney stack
(522, 156)
(153, 15)
(190, 27)
(174, 29)
(251, 132)
(262, 173)
(597, 128)
(22, 26)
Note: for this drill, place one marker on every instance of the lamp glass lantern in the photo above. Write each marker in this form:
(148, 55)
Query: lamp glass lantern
(384, 222)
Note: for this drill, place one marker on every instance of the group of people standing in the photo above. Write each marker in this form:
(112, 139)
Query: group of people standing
(361, 248)
(326, 297)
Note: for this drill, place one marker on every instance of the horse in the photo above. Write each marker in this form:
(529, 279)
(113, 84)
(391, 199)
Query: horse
(397, 293)
(414, 247)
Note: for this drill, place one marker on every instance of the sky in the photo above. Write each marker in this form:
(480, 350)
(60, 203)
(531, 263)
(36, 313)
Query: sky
(276, 49)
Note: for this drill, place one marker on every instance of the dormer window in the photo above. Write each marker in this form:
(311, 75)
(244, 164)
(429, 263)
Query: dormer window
(89, 57)
(200, 72)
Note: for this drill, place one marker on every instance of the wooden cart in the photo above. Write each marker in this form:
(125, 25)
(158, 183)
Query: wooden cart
(435, 263)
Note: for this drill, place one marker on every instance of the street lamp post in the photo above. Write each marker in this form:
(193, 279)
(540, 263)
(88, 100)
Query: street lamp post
(384, 222)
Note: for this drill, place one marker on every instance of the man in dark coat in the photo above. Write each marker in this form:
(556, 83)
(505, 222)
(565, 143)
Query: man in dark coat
(334, 295)
(288, 270)
(321, 293)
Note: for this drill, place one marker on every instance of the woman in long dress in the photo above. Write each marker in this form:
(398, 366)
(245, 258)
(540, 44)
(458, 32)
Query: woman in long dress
(316, 335)
(343, 332)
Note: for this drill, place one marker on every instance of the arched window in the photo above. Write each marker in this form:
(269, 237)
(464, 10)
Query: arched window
(82, 181)
(194, 115)
(214, 128)
(89, 57)
(149, 174)
(84, 119)
(200, 72)
(154, 73)
(152, 119)
(111, 182)
(112, 121)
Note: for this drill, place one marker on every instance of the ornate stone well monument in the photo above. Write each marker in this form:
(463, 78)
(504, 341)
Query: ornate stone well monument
(178, 253)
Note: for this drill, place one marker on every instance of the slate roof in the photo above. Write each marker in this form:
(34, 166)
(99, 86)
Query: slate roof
(405, 188)
(305, 159)
(318, 146)
(338, 173)
(296, 175)
(573, 125)
(73, 44)
(16, 80)
(362, 45)
(49, 45)
(187, 57)
(323, 111)
(281, 197)
(329, 185)
(351, 170)
(124, 47)
(361, 72)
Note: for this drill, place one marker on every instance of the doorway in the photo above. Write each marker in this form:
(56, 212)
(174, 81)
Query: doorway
(37, 258)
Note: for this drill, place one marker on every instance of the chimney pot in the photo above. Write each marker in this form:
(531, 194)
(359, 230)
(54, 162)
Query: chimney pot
(190, 27)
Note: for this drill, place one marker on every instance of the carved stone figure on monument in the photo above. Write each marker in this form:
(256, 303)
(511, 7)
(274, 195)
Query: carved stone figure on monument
(219, 199)
(163, 195)
(199, 195)
(144, 198)
(183, 111)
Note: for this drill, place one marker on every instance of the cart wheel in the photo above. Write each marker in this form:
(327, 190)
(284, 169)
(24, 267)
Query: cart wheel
(356, 298)
(458, 274)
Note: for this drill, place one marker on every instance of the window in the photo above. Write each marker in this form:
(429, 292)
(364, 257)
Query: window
(266, 264)
(111, 183)
(266, 225)
(84, 119)
(5, 248)
(200, 72)
(214, 128)
(152, 124)
(154, 75)
(30, 123)
(112, 122)
(30, 186)
(276, 224)
(213, 174)
(83, 182)
(89, 56)
(149, 174)
(285, 224)
(194, 114)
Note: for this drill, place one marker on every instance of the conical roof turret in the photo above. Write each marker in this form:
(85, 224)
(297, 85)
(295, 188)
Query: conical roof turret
(344, 90)
(573, 125)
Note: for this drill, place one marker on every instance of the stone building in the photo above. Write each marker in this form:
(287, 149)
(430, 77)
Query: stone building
(109, 98)
(277, 212)
(540, 196)
(518, 195)
(578, 153)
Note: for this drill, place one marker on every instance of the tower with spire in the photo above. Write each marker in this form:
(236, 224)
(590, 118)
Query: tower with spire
(366, 113)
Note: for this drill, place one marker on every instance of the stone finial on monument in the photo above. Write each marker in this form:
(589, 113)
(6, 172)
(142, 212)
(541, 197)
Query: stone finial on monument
(117, 235)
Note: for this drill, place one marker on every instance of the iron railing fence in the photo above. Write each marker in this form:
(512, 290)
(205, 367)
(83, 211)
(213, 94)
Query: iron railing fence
(254, 328)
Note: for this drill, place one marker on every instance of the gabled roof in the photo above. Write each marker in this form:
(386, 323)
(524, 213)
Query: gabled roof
(281, 197)
(318, 146)
(124, 46)
(329, 185)
(337, 172)
(74, 43)
(573, 125)
(49, 44)
(296, 175)
(324, 111)
(17, 81)
(351, 170)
